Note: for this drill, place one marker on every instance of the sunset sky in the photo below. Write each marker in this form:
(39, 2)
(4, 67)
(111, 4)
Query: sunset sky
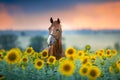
(74, 14)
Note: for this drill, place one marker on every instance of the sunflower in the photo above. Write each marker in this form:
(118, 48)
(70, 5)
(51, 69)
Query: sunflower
(66, 68)
(96, 53)
(12, 56)
(70, 51)
(93, 72)
(1, 77)
(118, 64)
(39, 64)
(110, 69)
(1, 56)
(80, 53)
(85, 60)
(87, 47)
(114, 52)
(114, 65)
(108, 53)
(2, 50)
(93, 59)
(44, 54)
(1, 59)
(29, 50)
(89, 64)
(102, 50)
(62, 59)
(83, 70)
(101, 54)
(24, 59)
(23, 67)
(39, 55)
(51, 60)
(34, 55)
(72, 58)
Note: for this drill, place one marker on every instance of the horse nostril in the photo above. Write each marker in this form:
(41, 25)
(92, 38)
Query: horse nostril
(51, 42)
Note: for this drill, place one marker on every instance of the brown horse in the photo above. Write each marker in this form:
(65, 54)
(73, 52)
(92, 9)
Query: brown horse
(55, 39)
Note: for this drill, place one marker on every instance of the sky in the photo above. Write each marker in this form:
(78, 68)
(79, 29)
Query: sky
(73, 14)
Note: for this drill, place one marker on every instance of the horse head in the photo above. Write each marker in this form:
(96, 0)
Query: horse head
(54, 32)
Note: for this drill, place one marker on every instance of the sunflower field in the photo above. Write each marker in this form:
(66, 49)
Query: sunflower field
(102, 64)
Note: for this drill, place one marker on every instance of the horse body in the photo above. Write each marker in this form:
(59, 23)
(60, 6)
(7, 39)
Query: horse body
(55, 39)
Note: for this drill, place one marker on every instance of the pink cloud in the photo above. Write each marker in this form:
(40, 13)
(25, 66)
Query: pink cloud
(6, 21)
(98, 16)
(80, 16)
(88, 16)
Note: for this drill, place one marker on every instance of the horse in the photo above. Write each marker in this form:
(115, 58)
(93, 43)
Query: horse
(55, 39)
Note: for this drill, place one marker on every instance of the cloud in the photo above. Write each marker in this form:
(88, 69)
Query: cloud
(80, 16)
(98, 16)
(87, 16)
(6, 21)
(92, 16)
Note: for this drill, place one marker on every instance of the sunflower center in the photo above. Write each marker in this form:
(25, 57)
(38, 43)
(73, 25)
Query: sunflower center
(84, 61)
(51, 60)
(118, 62)
(70, 51)
(39, 63)
(93, 59)
(44, 54)
(96, 53)
(29, 50)
(32, 53)
(12, 56)
(24, 59)
(80, 54)
(84, 70)
(101, 50)
(67, 67)
(100, 54)
(0, 55)
(71, 58)
(108, 52)
(93, 73)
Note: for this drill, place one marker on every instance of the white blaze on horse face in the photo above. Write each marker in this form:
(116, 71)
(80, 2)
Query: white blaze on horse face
(51, 39)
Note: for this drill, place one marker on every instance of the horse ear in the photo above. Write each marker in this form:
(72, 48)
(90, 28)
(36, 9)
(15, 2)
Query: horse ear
(58, 20)
(51, 20)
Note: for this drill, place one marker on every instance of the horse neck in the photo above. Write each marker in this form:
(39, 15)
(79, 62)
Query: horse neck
(58, 45)
(57, 48)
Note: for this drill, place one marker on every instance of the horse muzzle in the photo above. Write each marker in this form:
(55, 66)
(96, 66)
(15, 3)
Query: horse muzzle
(51, 40)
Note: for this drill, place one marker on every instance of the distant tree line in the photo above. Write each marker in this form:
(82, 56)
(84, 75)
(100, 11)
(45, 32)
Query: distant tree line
(117, 46)
(38, 43)
(8, 41)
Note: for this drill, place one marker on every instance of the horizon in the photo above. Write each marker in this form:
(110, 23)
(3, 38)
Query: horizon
(74, 14)
(66, 30)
